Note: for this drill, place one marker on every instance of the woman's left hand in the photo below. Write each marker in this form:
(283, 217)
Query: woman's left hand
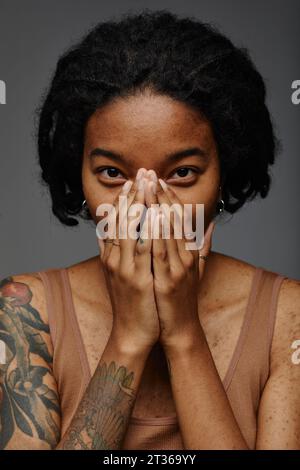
(177, 272)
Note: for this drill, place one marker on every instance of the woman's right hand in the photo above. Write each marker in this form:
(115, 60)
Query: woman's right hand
(129, 279)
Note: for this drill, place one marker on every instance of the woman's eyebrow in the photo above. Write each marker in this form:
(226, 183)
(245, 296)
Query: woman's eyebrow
(98, 152)
(188, 153)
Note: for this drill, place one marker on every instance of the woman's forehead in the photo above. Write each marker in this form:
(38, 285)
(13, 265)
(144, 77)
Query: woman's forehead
(144, 120)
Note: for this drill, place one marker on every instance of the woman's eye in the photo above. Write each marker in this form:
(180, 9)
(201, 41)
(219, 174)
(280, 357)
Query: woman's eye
(184, 172)
(112, 172)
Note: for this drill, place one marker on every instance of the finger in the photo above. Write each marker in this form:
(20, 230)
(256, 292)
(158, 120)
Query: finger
(132, 218)
(207, 239)
(144, 243)
(174, 260)
(167, 195)
(179, 220)
(104, 235)
(205, 250)
(101, 247)
(121, 202)
(159, 250)
(172, 225)
(150, 189)
(111, 242)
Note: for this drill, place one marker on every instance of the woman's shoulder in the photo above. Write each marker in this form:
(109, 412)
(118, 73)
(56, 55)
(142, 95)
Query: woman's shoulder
(228, 279)
(233, 268)
(286, 335)
(21, 286)
(33, 280)
(236, 274)
(29, 286)
(24, 289)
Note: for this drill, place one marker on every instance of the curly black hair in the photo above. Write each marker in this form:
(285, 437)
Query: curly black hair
(184, 58)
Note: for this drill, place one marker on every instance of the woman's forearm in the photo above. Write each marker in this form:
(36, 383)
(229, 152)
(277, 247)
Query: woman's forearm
(102, 417)
(204, 413)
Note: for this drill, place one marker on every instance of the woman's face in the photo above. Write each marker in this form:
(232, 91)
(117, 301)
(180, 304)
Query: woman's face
(150, 131)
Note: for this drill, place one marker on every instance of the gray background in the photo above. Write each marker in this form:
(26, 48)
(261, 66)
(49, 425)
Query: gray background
(34, 33)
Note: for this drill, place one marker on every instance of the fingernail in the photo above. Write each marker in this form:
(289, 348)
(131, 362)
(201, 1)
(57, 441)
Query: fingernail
(152, 186)
(152, 175)
(140, 173)
(126, 187)
(211, 227)
(163, 184)
(141, 183)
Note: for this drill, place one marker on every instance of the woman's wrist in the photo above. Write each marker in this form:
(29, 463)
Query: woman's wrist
(128, 345)
(184, 342)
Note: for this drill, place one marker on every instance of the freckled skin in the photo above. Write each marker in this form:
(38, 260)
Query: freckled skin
(145, 129)
(279, 415)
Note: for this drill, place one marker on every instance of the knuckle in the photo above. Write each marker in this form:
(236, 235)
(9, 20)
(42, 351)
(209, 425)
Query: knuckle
(132, 191)
(111, 265)
(142, 249)
(161, 255)
(178, 276)
(189, 261)
(133, 283)
(124, 275)
(167, 288)
(137, 285)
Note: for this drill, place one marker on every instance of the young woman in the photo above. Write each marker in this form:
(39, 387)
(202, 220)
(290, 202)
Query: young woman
(148, 345)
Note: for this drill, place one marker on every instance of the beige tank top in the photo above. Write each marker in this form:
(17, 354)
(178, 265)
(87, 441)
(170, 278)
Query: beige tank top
(243, 383)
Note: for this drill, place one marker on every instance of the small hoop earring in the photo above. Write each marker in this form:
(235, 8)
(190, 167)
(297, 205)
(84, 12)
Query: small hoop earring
(84, 208)
(221, 201)
(221, 209)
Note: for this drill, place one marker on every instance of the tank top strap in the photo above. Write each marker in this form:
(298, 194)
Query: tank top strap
(256, 348)
(68, 364)
(55, 302)
(264, 314)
